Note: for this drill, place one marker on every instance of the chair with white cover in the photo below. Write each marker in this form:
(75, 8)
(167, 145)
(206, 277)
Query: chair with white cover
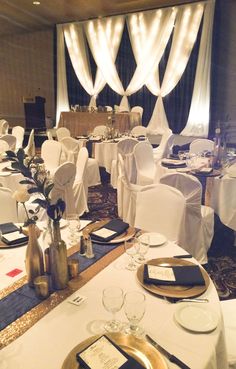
(139, 131)
(100, 130)
(165, 147)
(228, 308)
(49, 134)
(200, 145)
(80, 186)
(198, 227)
(3, 146)
(8, 212)
(4, 126)
(30, 148)
(51, 154)
(62, 132)
(92, 172)
(145, 164)
(19, 133)
(63, 180)
(137, 109)
(70, 147)
(11, 140)
(160, 209)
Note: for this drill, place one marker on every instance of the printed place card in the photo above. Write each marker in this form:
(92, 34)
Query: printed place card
(104, 232)
(14, 236)
(161, 273)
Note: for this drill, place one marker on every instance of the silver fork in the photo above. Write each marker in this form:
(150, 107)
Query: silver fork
(176, 300)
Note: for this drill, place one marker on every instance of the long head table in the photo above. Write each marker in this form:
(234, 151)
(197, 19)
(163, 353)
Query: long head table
(81, 123)
(47, 343)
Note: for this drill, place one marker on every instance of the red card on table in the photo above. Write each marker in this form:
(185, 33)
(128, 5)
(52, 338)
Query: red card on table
(14, 272)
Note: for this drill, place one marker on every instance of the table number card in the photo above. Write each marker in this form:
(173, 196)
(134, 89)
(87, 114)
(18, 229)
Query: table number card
(161, 273)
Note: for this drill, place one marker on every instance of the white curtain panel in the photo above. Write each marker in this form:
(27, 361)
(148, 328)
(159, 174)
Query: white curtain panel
(62, 94)
(187, 25)
(198, 120)
(77, 48)
(104, 36)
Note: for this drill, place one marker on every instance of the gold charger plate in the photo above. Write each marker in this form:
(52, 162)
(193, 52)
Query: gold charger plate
(129, 233)
(140, 350)
(173, 291)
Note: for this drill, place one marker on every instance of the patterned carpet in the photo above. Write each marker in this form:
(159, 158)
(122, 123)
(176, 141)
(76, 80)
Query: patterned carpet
(222, 254)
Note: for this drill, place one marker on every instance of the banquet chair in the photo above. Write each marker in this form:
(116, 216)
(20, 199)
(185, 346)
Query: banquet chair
(165, 147)
(137, 109)
(228, 308)
(19, 133)
(4, 126)
(51, 154)
(49, 134)
(62, 132)
(11, 140)
(92, 172)
(63, 180)
(100, 130)
(3, 146)
(70, 149)
(161, 209)
(198, 227)
(145, 164)
(200, 145)
(8, 211)
(30, 148)
(138, 131)
(80, 186)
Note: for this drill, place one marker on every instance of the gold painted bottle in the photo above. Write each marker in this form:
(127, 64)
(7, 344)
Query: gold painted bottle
(34, 256)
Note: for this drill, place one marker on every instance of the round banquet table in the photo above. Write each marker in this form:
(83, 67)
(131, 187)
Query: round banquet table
(47, 343)
(8, 179)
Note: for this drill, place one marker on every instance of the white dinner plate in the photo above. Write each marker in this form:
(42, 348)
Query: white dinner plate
(155, 239)
(5, 174)
(196, 317)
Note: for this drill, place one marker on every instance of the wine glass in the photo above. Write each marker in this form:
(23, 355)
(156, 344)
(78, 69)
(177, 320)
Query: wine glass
(134, 307)
(113, 299)
(73, 226)
(132, 247)
(144, 243)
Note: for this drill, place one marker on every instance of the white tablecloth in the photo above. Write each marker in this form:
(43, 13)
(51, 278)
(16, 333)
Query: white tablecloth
(49, 341)
(8, 179)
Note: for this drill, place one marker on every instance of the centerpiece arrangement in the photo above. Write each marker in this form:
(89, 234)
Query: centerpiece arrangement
(39, 185)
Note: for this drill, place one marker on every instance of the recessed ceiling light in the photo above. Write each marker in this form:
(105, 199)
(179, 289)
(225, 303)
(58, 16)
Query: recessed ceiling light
(36, 2)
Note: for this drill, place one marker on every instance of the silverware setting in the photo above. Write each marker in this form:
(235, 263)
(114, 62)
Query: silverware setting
(176, 300)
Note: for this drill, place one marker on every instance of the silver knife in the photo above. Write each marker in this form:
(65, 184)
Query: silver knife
(171, 357)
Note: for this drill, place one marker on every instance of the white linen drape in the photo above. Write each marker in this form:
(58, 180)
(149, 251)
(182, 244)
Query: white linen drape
(62, 94)
(198, 120)
(187, 24)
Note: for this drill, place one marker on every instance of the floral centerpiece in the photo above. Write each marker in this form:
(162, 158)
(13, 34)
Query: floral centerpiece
(38, 182)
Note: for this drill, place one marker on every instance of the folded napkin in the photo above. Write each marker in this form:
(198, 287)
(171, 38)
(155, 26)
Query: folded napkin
(173, 165)
(8, 228)
(14, 238)
(112, 229)
(186, 275)
(203, 170)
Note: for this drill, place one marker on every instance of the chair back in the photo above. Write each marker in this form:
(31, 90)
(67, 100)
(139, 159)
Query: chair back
(3, 146)
(11, 140)
(70, 148)
(30, 148)
(51, 154)
(49, 134)
(4, 126)
(100, 130)
(137, 109)
(63, 181)
(144, 160)
(160, 208)
(201, 144)
(81, 164)
(125, 147)
(19, 133)
(62, 132)
(139, 131)
(8, 211)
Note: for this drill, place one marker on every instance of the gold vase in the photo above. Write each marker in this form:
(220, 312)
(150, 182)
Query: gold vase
(58, 259)
(34, 256)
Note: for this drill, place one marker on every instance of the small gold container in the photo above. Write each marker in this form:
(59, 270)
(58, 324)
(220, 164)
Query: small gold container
(73, 268)
(41, 286)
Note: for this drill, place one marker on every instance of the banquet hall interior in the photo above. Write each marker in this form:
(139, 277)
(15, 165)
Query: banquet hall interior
(117, 184)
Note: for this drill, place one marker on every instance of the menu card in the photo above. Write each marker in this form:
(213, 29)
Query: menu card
(105, 354)
(187, 275)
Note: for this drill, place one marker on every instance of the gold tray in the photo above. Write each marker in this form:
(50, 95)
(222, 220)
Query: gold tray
(140, 350)
(129, 233)
(173, 291)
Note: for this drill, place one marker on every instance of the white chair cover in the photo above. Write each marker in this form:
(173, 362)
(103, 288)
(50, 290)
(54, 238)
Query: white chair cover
(3, 146)
(70, 147)
(165, 147)
(8, 210)
(160, 209)
(145, 164)
(80, 186)
(137, 109)
(63, 186)
(30, 148)
(51, 154)
(100, 130)
(93, 177)
(4, 126)
(201, 144)
(18, 132)
(11, 140)
(228, 308)
(198, 226)
(62, 132)
(49, 134)
(138, 131)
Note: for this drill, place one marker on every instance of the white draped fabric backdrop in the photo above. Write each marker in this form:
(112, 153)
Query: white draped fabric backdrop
(149, 33)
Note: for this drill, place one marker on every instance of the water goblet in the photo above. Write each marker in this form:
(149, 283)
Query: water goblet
(132, 248)
(144, 243)
(113, 299)
(134, 307)
(74, 226)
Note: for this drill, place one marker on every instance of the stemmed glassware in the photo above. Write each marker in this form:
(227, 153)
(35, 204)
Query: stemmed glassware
(132, 247)
(134, 307)
(113, 299)
(144, 243)
(73, 226)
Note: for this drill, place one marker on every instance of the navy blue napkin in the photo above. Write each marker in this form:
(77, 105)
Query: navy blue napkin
(8, 228)
(173, 166)
(185, 275)
(116, 225)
